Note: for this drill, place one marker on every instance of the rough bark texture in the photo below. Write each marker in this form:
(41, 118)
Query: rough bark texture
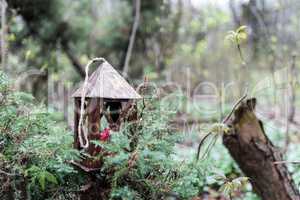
(255, 155)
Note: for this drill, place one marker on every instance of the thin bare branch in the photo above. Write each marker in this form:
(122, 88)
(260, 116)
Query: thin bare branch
(210, 133)
(7, 173)
(233, 108)
(132, 36)
(286, 162)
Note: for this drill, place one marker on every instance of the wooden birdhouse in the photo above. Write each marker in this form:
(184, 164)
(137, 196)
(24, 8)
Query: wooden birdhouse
(106, 95)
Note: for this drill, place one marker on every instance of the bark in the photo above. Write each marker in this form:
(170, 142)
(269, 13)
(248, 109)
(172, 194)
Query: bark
(76, 143)
(255, 155)
(3, 35)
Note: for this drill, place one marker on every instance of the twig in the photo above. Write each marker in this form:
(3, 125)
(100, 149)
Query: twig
(82, 167)
(201, 143)
(240, 52)
(56, 192)
(212, 143)
(8, 174)
(143, 108)
(233, 108)
(224, 121)
(132, 36)
(286, 162)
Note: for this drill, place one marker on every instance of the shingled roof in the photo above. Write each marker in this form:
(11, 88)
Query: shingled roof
(107, 83)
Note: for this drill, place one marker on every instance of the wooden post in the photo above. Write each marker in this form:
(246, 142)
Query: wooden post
(256, 155)
(76, 143)
(94, 116)
(93, 132)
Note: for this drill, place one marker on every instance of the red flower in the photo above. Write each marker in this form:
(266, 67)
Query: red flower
(105, 134)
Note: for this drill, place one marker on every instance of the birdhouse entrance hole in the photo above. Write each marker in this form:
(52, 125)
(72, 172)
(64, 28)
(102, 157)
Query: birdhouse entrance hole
(114, 110)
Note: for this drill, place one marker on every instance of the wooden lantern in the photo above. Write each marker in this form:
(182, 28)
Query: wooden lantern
(109, 95)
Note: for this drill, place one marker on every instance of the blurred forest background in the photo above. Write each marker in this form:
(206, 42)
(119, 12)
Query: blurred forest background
(176, 41)
(47, 44)
(179, 45)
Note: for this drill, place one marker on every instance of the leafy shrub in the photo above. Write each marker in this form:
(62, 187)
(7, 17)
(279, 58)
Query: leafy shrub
(149, 170)
(34, 147)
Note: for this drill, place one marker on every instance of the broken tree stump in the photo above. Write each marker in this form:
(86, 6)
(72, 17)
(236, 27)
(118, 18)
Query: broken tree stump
(255, 154)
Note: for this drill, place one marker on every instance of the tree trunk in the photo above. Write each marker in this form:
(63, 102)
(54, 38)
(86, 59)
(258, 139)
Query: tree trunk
(255, 155)
(3, 35)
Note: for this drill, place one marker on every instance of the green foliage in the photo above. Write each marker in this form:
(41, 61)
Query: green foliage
(219, 128)
(152, 169)
(142, 161)
(192, 180)
(43, 176)
(33, 145)
(171, 37)
(147, 169)
(4, 83)
(238, 36)
(231, 186)
(141, 164)
(123, 193)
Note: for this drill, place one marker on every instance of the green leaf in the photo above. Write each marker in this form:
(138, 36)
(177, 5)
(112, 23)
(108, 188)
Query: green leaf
(46, 176)
(42, 180)
(241, 29)
(50, 177)
(238, 36)
(219, 128)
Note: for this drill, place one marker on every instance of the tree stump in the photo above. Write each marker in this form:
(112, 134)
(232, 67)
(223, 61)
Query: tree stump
(255, 154)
